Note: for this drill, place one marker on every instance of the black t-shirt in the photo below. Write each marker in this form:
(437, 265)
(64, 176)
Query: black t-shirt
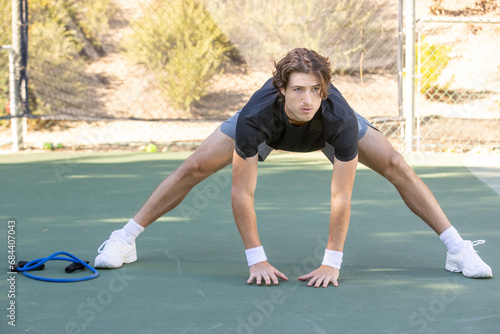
(263, 119)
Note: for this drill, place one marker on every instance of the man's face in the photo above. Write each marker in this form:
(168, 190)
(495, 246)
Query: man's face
(302, 97)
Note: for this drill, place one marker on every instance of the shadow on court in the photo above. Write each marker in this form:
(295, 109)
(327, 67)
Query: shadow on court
(191, 272)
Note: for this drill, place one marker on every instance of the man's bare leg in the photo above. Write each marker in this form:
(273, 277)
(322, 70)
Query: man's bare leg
(215, 153)
(377, 153)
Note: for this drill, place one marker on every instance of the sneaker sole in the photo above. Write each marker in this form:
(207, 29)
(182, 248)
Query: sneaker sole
(131, 258)
(106, 263)
(454, 268)
(488, 274)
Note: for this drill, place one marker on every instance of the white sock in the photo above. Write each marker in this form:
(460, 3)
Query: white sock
(133, 229)
(452, 240)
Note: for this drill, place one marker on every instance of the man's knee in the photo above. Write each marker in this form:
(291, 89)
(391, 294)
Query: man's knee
(195, 168)
(397, 169)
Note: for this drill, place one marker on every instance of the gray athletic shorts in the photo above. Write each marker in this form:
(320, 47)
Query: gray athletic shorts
(229, 128)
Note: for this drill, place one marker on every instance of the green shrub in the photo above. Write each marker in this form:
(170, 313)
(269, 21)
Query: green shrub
(181, 43)
(58, 32)
(433, 60)
(92, 17)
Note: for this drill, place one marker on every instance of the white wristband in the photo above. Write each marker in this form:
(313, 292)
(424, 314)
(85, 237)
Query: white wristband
(332, 258)
(255, 255)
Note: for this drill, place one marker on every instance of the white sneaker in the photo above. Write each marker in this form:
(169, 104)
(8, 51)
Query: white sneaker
(468, 262)
(116, 251)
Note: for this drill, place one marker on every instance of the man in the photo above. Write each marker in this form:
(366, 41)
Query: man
(298, 110)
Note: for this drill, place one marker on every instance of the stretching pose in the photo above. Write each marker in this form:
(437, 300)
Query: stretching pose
(297, 110)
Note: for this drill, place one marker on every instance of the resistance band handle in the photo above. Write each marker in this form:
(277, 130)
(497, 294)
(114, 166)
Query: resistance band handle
(21, 264)
(75, 266)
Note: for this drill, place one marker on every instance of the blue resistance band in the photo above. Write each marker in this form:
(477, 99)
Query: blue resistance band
(38, 262)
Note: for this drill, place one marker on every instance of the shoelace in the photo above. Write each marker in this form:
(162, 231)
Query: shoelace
(478, 242)
(103, 246)
(475, 243)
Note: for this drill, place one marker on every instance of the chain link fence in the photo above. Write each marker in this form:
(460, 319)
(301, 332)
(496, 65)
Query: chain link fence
(5, 39)
(89, 91)
(361, 38)
(458, 91)
(111, 98)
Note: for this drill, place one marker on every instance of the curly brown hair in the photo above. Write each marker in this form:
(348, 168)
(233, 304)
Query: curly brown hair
(304, 61)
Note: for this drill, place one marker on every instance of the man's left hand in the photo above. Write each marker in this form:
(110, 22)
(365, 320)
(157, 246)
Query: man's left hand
(322, 276)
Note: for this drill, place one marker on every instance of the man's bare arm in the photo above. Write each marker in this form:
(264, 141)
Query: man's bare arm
(341, 193)
(242, 199)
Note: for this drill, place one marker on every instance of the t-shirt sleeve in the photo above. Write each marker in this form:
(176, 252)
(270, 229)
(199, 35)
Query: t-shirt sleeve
(346, 141)
(248, 138)
(253, 121)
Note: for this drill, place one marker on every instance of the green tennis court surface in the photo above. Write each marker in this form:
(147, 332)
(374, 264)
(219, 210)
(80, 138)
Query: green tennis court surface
(191, 272)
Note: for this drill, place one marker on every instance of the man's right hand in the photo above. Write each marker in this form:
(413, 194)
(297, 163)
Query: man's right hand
(263, 270)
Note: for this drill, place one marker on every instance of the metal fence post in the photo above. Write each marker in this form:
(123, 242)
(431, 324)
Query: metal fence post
(13, 101)
(409, 82)
(400, 58)
(14, 66)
